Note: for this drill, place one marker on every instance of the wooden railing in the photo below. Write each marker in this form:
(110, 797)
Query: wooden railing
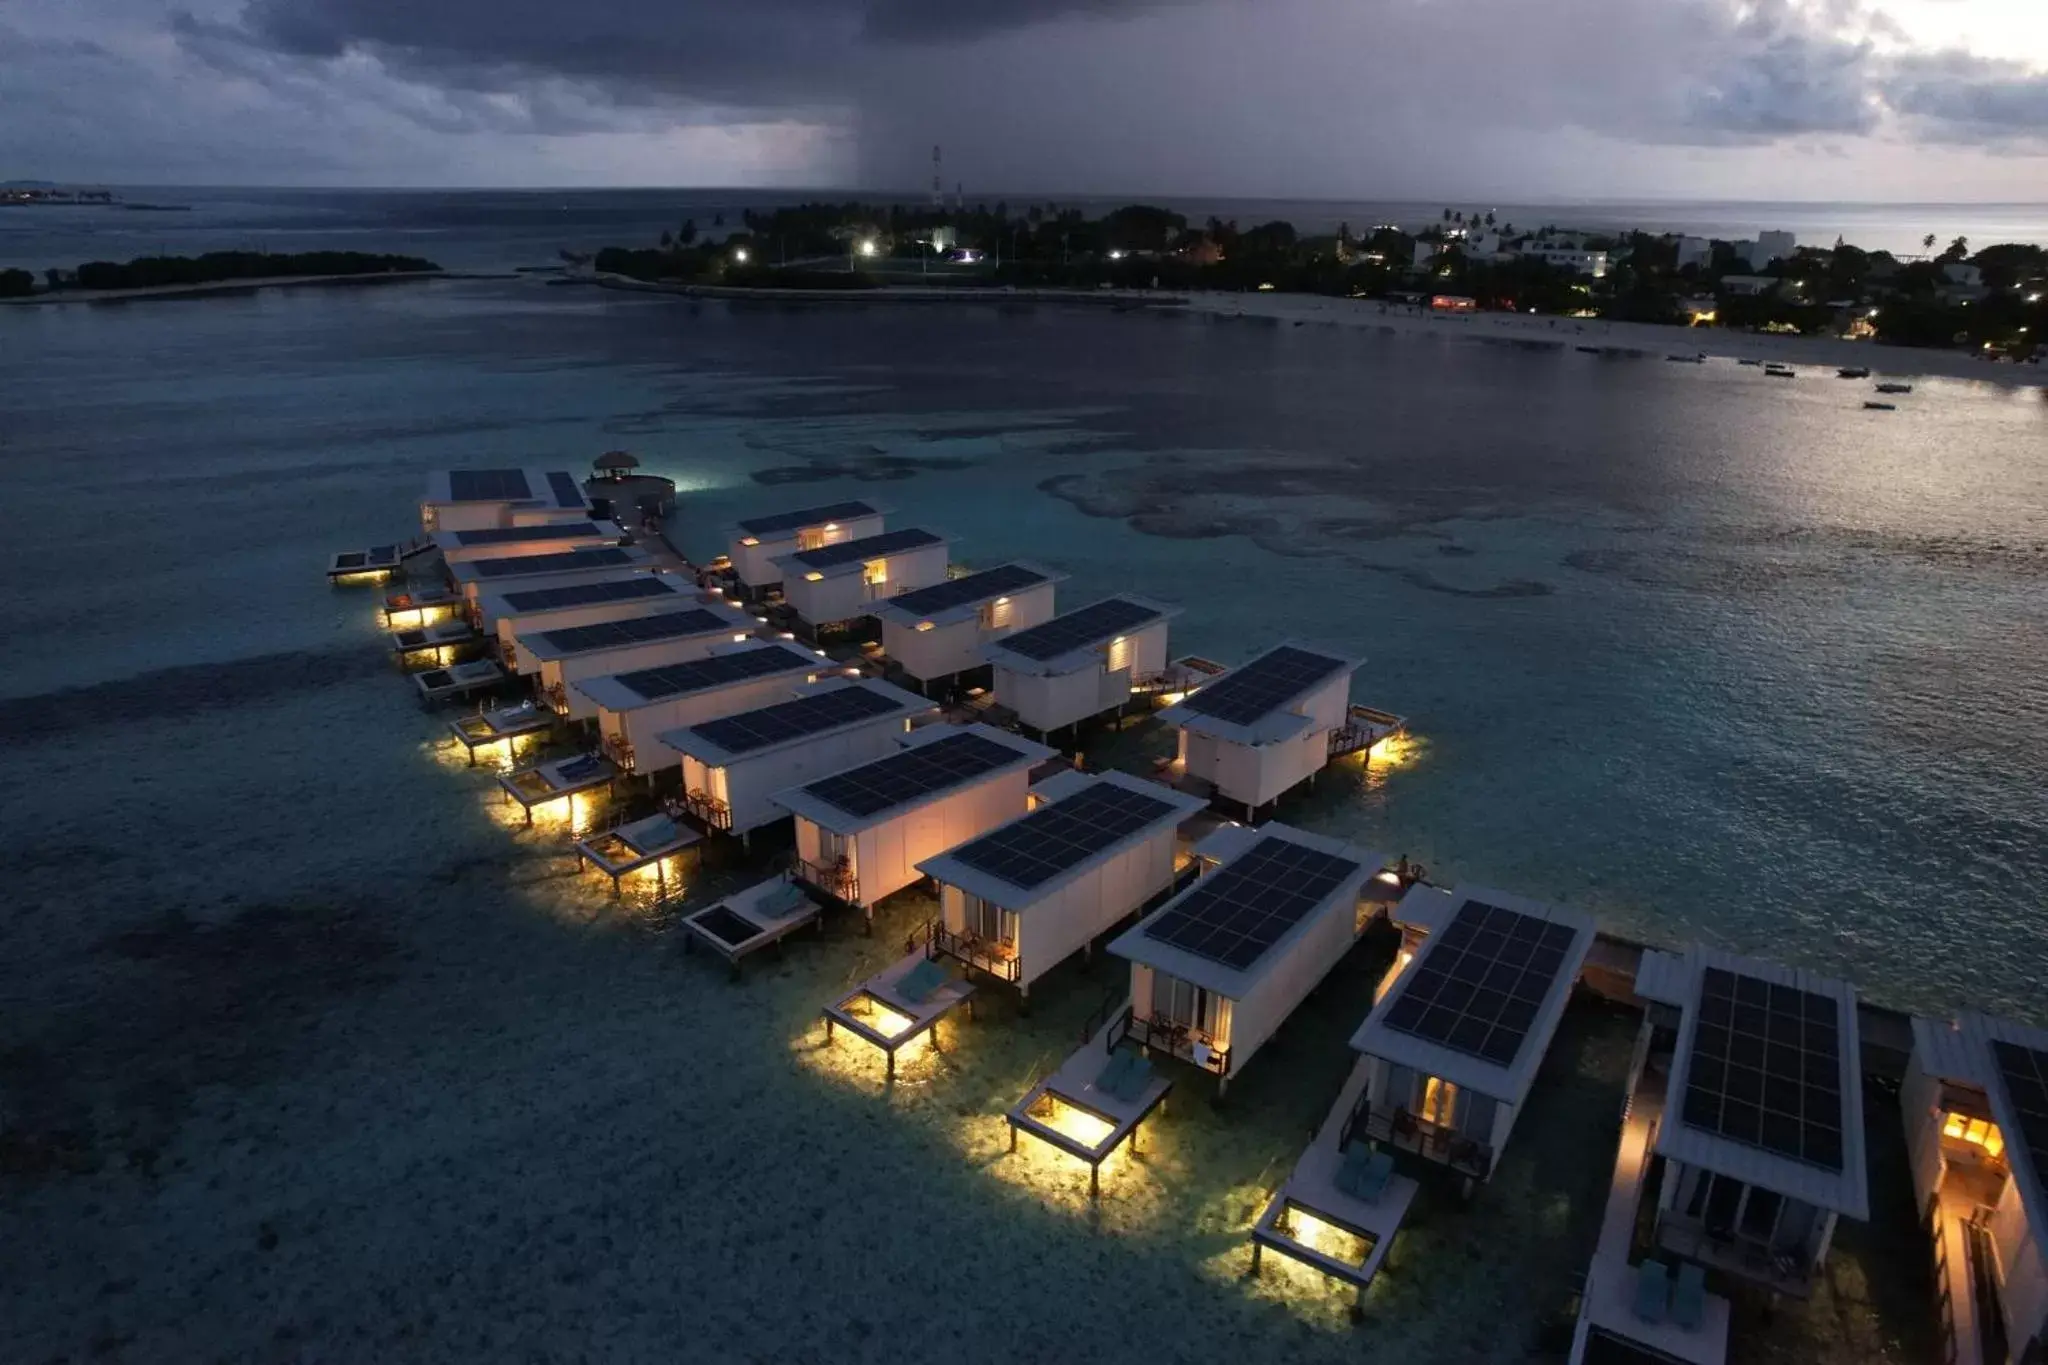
(557, 696)
(708, 808)
(1178, 1040)
(619, 750)
(835, 879)
(973, 950)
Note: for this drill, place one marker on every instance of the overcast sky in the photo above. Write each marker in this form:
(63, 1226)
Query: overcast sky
(1383, 99)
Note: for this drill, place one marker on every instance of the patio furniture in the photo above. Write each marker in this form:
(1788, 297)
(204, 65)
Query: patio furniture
(1365, 1172)
(1689, 1297)
(1132, 1080)
(920, 981)
(1653, 1289)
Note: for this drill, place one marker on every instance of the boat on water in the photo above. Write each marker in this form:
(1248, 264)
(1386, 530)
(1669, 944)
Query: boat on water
(1894, 388)
(1780, 372)
(1589, 350)
(1876, 406)
(1853, 372)
(1749, 362)
(1699, 359)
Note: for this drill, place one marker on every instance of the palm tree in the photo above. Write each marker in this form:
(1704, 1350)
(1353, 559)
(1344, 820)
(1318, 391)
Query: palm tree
(1489, 217)
(1927, 242)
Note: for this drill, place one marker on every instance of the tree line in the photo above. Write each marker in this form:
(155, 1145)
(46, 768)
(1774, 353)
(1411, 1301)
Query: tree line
(150, 272)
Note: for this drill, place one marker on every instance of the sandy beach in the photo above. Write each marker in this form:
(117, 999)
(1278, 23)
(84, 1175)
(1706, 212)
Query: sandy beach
(1618, 338)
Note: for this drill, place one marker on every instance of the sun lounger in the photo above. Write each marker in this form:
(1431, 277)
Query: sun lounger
(1689, 1297)
(920, 981)
(1364, 1172)
(1109, 1080)
(581, 769)
(751, 920)
(1653, 1289)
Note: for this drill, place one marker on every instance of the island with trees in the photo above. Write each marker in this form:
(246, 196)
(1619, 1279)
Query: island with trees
(177, 273)
(1992, 300)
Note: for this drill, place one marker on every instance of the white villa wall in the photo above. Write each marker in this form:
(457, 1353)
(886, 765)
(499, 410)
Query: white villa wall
(463, 516)
(956, 647)
(1919, 1101)
(843, 596)
(886, 855)
(639, 726)
(750, 780)
(476, 590)
(1051, 930)
(606, 663)
(2024, 1292)
(755, 564)
(1380, 1073)
(545, 516)
(510, 628)
(554, 545)
(1285, 982)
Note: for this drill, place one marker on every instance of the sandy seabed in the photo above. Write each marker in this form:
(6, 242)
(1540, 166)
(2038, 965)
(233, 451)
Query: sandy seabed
(313, 1054)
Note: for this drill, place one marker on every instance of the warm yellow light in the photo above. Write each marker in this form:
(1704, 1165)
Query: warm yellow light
(1174, 698)
(1339, 1244)
(813, 576)
(1977, 1132)
(749, 540)
(831, 525)
(739, 637)
(924, 625)
(1088, 1129)
(1002, 601)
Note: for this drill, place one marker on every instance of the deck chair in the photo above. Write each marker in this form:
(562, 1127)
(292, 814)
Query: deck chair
(785, 899)
(1111, 1076)
(917, 984)
(1365, 1172)
(576, 769)
(1653, 1289)
(1136, 1076)
(650, 834)
(1689, 1297)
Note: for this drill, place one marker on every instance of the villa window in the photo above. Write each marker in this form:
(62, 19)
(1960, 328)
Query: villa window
(1118, 656)
(1979, 1133)
(810, 538)
(989, 922)
(1439, 1102)
(875, 573)
(833, 847)
(997, 614)
(1187, 1004)
(1760, 1214)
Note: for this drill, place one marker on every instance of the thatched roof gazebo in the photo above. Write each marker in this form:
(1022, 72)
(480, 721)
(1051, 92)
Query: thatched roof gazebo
(615, 464)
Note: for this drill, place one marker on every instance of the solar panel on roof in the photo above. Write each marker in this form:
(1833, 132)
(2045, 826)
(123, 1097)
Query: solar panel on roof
(1482, 981)
(589, 594)
(669, 625)
(568, 560)
(488, 485)
(788, 720)
(671, 680)
(566, 491)
(808, 516)
(1247, 694)
(512, 535)
(868, 547)
(890, 782)
(1055, 838)
(1089, 625)
(1766, 1068)
(956, 592)
(1234, 914)
(2024, 1070)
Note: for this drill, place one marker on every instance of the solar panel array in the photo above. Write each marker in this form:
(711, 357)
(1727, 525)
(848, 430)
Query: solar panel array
(974, 587)
(809, 516)
(2025, 1072)
(868, 547)
(788, 720)
(1028, 852)
(890, 782)
(1276, 677)
(1766, 1068)
(567, 492)
(1482, 981)
(1076, 629)
(589, 594)
(717, 670)
(1236, 913)
(514, 565)
(634, 630)
(512, 535)
(488, 485)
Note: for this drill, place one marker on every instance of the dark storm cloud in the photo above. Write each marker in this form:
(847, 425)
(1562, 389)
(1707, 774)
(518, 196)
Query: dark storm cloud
(1960, 97)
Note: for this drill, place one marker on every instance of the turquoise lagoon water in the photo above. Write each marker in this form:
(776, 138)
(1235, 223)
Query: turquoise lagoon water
(1712, 656)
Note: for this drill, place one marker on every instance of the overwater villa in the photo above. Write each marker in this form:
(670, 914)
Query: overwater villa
(561, 779)
(734, 765)
(562, 569)
(644, 845)
(1216, 970)
(1975, 1101)
(1022, 898)
(1760, 1104)
(1446, 1061)
(624, 594)
(563, 657)
(419, 607)
(938, 632)
(861, 832)
(633, 709)
(1081, 663)
(756, 544)
(844, 581)
(432, 639)
(500, 725)
(750, 920)
(475, 499)
(363, 566)
(497, 542)
(1261, 729)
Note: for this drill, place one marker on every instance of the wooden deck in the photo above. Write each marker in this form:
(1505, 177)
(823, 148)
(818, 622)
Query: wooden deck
(1298, 1220)
(547, 782)
(877, 1013)
(1073, 1085)
(625, 849)
(745, 922)
(498, 725)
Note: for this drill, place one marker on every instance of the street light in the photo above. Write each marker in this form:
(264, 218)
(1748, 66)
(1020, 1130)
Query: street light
(739, 255)
(868, 247)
